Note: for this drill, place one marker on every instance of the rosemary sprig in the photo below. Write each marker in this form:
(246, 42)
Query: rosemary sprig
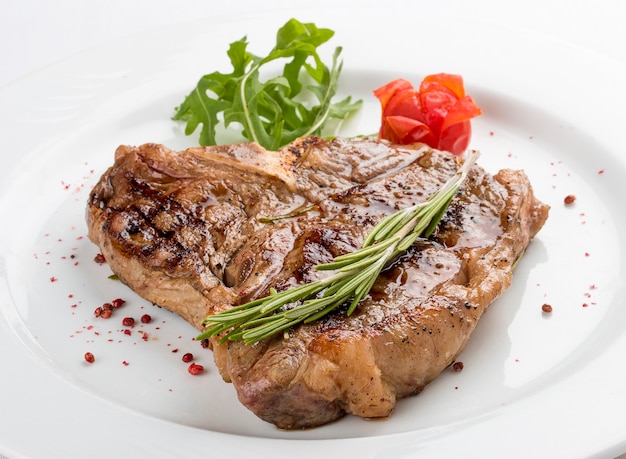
(295, 213)
(355, 273)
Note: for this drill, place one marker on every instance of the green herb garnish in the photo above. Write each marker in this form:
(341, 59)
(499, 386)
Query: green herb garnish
(355, 273)
(273, 112)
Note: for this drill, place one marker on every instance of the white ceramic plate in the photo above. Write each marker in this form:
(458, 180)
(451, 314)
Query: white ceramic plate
(534, 385)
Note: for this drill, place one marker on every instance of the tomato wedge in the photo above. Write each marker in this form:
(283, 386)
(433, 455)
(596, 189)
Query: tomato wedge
(437, 114)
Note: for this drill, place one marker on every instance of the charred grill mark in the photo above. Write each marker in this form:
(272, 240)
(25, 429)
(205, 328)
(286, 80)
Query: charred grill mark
(134, 231)
(295, 150)
(156, 227)
(301, 148)
(321, 245)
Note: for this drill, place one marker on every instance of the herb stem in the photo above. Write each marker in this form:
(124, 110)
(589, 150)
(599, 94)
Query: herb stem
(244, 102)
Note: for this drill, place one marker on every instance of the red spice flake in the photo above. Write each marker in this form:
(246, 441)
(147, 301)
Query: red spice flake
(601, 171)
(118, 302)
(53, 279)
(128, 322)
(491, 133)
(188, 357)
(585, 305)
(125, 363)
(174, 351)
(587, 254)
(127, 332)
(546, 308)
(592, 287)
(146, 319)
(89, 357)
(457, 366)
(145, 336)
(103, 312)
(99, 258)
(569, 199)
(195, 369)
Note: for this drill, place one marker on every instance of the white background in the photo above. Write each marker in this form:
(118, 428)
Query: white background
(35, 33)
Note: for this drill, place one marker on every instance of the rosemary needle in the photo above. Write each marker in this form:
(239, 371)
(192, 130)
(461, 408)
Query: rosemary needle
(354, 275)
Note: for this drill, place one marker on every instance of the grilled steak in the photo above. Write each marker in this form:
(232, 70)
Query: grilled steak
(183, 230)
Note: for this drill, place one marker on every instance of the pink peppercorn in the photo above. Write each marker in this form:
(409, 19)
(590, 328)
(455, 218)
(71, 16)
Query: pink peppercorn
(569, 199)
(195, 369)
(118, 302)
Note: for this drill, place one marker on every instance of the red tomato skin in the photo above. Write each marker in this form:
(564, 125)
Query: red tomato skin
(386, 92)
(436, 101)
(438, 114)
(404, 130)
(451, 81)
(456, 138)
(405, 103)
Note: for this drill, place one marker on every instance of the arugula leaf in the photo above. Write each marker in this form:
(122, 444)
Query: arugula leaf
(274, 112)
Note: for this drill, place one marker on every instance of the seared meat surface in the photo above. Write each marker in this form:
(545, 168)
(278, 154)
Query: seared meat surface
(184, 230)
